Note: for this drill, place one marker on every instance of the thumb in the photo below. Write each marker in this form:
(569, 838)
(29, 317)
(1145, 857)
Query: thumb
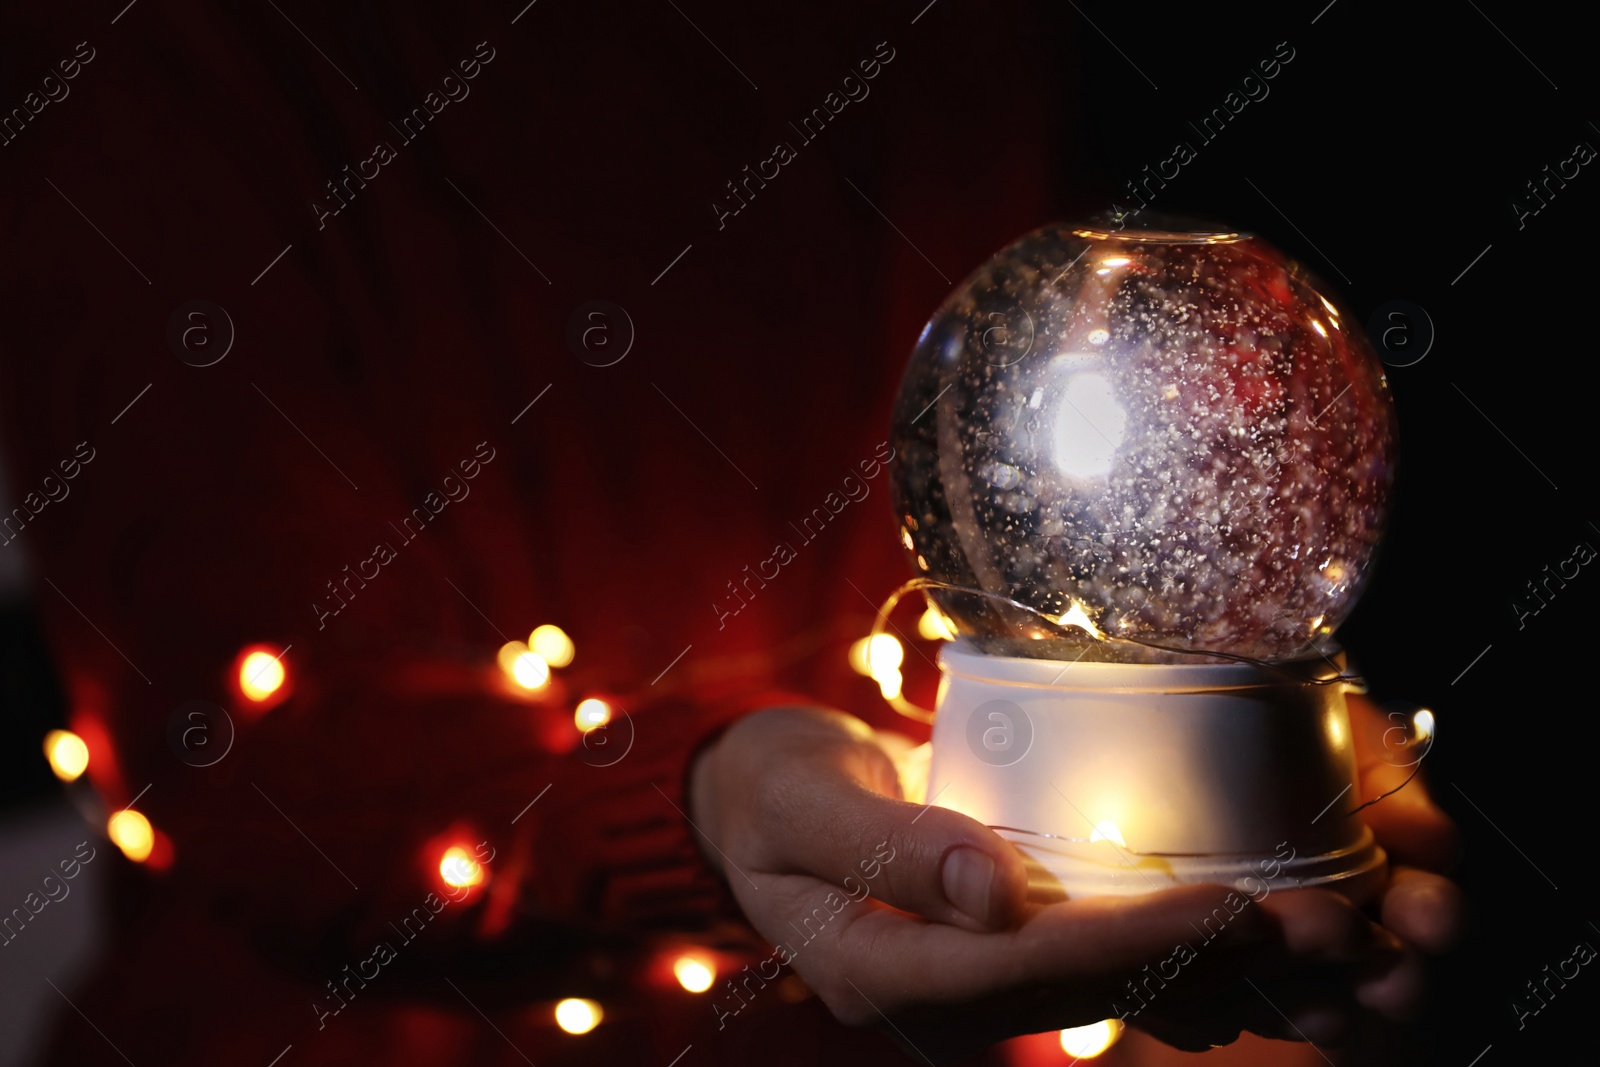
(928, 860)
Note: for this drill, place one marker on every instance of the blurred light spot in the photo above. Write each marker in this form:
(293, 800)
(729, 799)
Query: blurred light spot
(458, 868)
(934, 626)
(68, 755)
(507, 656)
(577, 1016)
(527, 669)
(1106, 830)
(1315, 325)
(1087, 1042)
(261, 675)
(131, 832)
(1115, 261)
(591, 714)
(877, 654)
(553, 644)
(889, 683)
(694, 973)
(1422, 721)
(1098, 337)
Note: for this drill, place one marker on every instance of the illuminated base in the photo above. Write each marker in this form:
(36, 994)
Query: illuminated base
(1116, 779)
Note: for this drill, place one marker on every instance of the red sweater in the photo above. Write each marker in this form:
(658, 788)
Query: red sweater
(400, 216)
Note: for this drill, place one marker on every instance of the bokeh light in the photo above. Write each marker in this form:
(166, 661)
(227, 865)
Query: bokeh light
(261, 674)
(591, 714)
(552, 643)
(1087, 1042)
(531, 671)
(577, 1016)
(131, 832)
(877, 655)
(68, 755)
(458, 868)
(694, 973)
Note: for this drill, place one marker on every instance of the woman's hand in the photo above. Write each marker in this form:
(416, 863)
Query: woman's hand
(915, 916)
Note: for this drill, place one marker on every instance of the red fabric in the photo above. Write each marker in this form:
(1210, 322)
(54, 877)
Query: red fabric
(397, 340)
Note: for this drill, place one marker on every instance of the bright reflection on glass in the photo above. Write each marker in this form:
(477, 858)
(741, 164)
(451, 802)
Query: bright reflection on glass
(1087, 1042)
(1090, 424)
(1106, 830)
(68, 755)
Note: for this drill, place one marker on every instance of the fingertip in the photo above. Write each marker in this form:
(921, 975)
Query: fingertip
(1396, 991)
(1426, 909)
(1320, 924)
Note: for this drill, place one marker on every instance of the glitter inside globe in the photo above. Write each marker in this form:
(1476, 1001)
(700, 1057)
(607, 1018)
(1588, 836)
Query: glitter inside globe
(1171, 435)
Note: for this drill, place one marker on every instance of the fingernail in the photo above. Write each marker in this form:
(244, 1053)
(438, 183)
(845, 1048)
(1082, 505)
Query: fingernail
(968, 877)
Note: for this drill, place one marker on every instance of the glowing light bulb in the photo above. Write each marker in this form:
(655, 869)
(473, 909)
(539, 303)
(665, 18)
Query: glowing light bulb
(889, 683)
(694, 973)
(1106, 830)
(577, 1016)
(552, 643)
(131, 832)
(261, 675)
(1422, 722)
(68, 755)
(591, 714)
(877, 655)
(458, 868)
(933, 627)
(527, 669)
(1087, 1042)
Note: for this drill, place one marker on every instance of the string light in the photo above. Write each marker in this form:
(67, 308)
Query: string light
(531, 671)
(68, 755)
(528, 669)
(552, 643)
(694, 973)
(1087, 1042)
(933, 626)
(591, 714)
(877, 655)
(577, 1016)
(1422, 722)
(131, 832)
(459, 869)
(261, 675)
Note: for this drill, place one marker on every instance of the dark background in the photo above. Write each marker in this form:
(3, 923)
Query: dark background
(1391, 148)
